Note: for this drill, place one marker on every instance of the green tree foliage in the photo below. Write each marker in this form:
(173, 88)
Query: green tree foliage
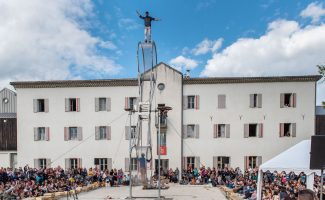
(321, 70)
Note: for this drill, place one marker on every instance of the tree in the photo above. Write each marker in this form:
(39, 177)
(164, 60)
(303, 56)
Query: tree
(321, 70)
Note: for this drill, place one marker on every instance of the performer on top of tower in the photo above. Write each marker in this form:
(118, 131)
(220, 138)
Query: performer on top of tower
(147, 25)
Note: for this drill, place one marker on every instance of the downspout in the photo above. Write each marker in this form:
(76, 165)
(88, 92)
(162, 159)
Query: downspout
(182, 132)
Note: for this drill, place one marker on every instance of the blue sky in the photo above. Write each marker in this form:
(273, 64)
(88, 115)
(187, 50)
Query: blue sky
(84, 39)
(186, 23)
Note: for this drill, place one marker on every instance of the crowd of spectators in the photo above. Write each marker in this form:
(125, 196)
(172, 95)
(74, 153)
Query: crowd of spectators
(30, 182)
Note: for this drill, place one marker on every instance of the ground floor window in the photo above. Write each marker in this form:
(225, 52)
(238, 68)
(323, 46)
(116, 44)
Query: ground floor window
(191, 162)
(42, 163)
(221, 162)
(134, 164)
(252, 161)
(101, 163)
(164, 164)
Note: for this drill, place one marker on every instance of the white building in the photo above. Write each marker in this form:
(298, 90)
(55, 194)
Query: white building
(241, 121)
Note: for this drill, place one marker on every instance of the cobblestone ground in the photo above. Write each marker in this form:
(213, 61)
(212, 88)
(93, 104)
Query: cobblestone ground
(175, 192)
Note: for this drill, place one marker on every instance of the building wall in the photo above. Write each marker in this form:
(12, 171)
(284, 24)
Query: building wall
(237, 113)
(8, 134)
(237, 105)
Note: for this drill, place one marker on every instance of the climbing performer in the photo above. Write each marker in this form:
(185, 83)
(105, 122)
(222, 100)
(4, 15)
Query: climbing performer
(147, 25)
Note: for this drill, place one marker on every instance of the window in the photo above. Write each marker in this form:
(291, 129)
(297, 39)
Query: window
(128, 134)
(41, 134)
(221, 130)
(130, 103)
(191, 162)
(255, 101)
(102, 132)
(72, 105)
(221, 162)
(101, 163)
(41, 105)
(73, 133)
(190, 102)
(73, 163)
(134, 164)
(221, 101)
(288, 130)
(164, 164)
(163, 143)
(253, 130)
(252, 161)
(190, 133)
(288, 100)
(102, 104)
(42, 163)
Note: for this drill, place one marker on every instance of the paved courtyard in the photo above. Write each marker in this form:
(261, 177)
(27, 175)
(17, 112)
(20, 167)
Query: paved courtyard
(175, 192)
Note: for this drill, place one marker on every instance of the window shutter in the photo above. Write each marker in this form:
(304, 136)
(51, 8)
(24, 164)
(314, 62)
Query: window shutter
(197, 131)
(46, 105)
(126, 103)
(246, 130)
(97, 133)
(78, 104)
(48, 163)
(197, 102)
(251, 100)
(127, 165)
(96, 104)
(294, 100)
(222, 101)
(109, 163)
(197, 163)
(108, 133)
(66, 133)
(79, 162)
(227, 130)
(35, 134)
(215, 130)
(184, 162)
(108, 104)
(47, 133)
(293, 129)
(246, 162)
(79, 133)
(67, 105)
(184, 131)
(215, 162)
(185, 102)
(35, 105)
(282, 100)
(259, 100)
(127, 132)
(36, 163)
(260, 130)
(67, 163)
(259, 160)
(281, 131)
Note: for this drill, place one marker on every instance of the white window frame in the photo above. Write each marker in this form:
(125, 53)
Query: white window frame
(102, 104)
(134, 164)
(102, 163)
(221, 130)
(73, 104)
(220, 162)
(42, 163)
(190, 131)
(191, 102)
(40, 105)
(190, 161)
(73, 135)
(252, 161)
(73, 163)
(41, 133)
(102, 132)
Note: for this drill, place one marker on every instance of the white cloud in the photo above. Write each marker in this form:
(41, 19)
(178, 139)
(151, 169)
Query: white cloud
(285, 49)
(128, 24)
(42, 41)
(314, 10)
(206, 46)
(181, 62)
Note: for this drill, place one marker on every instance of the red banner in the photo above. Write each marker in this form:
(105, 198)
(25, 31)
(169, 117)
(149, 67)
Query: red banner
(163, 150)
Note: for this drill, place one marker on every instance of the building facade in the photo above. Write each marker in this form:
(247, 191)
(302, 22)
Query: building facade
(216, 122)
(8, 128)
(320, 120)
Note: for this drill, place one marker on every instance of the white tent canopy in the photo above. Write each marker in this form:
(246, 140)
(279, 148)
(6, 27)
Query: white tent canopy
(295, 159)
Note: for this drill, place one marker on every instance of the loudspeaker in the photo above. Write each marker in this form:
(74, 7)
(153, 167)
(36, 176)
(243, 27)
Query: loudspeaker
(317, 152)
